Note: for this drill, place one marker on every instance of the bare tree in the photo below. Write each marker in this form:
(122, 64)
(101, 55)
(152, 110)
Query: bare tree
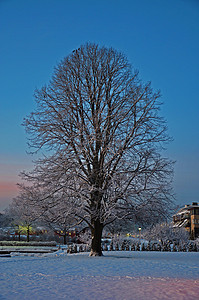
(23, 212)
(57, 213)
(166, 232)
(102, 128)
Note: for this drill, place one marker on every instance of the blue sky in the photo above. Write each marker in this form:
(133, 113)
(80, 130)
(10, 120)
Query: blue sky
(160, 39)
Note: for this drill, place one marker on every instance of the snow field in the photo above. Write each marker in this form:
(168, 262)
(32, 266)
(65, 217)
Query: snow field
(117, 275)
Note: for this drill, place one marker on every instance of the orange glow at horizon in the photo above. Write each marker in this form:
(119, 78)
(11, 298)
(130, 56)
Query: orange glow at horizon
(10, 167)
(8, 189)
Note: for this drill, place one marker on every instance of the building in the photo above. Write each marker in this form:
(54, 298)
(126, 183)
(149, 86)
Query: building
(188, 217)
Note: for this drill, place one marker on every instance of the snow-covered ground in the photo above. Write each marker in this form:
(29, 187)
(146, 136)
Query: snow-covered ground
(117, 275)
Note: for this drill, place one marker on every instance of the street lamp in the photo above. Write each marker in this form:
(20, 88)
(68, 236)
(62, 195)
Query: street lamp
(139, 232)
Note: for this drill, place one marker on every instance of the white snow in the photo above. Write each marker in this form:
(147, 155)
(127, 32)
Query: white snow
(117, 275)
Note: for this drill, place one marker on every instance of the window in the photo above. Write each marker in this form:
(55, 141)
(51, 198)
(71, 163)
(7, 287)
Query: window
(195, 211)
(195, 221)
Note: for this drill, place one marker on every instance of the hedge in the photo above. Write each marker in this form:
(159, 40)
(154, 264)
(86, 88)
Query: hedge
(16, 243)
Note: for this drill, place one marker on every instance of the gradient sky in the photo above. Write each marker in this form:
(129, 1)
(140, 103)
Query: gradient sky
(160, 39)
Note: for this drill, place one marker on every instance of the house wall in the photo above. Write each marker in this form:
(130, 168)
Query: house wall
(195, 223)
(192, 217)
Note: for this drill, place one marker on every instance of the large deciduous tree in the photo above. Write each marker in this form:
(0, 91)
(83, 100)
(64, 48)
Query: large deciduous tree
(105, 137)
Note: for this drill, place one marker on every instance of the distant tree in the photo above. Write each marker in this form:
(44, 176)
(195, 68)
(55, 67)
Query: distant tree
(4, 220)
(165, 232)
(58, 216)
(102, 128)
(23, 213)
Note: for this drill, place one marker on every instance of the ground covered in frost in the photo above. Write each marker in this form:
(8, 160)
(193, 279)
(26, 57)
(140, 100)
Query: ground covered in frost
(116, 275)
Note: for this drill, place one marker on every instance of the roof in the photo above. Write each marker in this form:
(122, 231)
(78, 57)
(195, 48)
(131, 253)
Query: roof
(187, 208)
(182, 223)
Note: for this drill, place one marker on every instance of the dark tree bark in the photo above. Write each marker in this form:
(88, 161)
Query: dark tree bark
(28, 233)
(96, 235)
(64, 238)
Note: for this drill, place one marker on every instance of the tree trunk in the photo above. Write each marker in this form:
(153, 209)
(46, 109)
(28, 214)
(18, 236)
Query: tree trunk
(96, 232)
(28, 234)
(64, 238)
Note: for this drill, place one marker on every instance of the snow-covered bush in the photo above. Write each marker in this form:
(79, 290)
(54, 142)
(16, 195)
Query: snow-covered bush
(148, 248)
(117, 247)
(111, 248)
(197, 242)
(105, 247)
(137, 248)
(192, 247)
